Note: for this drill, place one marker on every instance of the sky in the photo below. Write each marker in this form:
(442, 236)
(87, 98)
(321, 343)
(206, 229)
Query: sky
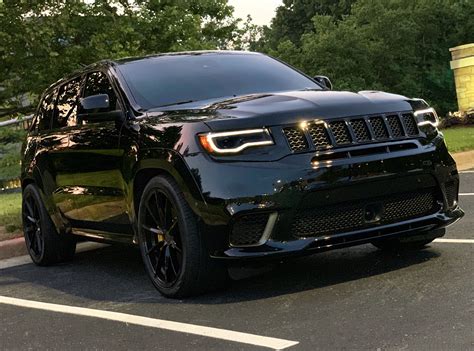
(262, 11)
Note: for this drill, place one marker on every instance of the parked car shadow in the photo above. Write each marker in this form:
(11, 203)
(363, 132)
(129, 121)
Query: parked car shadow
(116, 274)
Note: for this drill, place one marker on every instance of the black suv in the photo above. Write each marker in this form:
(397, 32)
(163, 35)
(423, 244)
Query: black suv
(206, 158)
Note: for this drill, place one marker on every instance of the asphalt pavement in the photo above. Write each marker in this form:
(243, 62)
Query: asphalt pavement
(351, 299)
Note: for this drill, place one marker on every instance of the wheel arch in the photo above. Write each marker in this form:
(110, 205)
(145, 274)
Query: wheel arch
(165, 163)
(32, 177)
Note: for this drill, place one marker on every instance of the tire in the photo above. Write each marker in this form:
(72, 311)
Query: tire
(44, 244)
(175, 256)
(410, 243)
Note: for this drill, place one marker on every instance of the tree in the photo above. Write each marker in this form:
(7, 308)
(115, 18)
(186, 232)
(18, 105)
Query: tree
(401, 46)
(294, 18)
(43, 40)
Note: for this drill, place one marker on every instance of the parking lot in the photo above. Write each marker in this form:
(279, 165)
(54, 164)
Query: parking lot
(351, 299)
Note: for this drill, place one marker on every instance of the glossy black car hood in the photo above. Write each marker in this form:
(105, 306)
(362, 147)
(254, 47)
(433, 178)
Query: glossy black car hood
(281, 108)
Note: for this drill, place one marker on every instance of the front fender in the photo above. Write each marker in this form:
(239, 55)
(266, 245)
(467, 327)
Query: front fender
(164, 161)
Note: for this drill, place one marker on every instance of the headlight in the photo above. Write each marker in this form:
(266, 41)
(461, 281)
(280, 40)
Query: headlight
(427, 116)
(235, 141)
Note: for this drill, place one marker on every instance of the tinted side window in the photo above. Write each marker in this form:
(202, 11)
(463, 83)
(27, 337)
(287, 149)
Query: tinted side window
(68, 99)
(98, 83)
(46, 111)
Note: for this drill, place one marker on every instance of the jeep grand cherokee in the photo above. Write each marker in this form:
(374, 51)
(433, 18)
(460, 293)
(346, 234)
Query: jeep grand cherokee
(204, 158)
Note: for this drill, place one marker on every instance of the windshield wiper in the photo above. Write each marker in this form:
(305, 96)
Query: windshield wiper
(309, 89)
(178, 103)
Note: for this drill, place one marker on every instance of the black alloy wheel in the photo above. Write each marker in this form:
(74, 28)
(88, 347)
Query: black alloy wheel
(32, 227)
(162, 238)
(43, 242)
(174, 254)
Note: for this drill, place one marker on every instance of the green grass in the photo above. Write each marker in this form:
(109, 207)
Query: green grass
(10, 146)
(459, 138)
(10, 212)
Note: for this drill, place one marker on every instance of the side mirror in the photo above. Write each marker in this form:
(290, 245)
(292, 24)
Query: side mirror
(91, 106)
(324, 81)
(95, 102)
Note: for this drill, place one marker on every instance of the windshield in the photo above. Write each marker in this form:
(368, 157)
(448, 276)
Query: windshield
(168, 80)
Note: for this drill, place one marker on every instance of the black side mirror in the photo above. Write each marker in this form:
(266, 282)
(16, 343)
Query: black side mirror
(95, 102)
(324, 81)
(91, 106)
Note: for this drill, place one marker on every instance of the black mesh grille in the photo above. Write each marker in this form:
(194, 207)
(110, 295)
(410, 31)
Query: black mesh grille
(406, 206)
(340, 132)
(351, 131)
(410, 124)
(451, 193)
(344, 218)
(319, 135)
(395, 126)
(296, 139)
(360, 130)
(378, 126)
(248, 229)
(325, 220)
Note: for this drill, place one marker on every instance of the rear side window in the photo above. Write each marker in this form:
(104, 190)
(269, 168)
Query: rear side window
(46, 111)
(98, 83)
(68, 99)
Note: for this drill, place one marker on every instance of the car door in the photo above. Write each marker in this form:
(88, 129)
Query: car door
(94, 183)
(49, 143)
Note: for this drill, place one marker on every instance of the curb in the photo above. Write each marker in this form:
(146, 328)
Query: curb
(12, 247)
(464, 160)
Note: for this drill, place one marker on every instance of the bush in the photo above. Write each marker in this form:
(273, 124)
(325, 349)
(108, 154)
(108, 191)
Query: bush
(458, 119)
(10, 146)
(11, 135)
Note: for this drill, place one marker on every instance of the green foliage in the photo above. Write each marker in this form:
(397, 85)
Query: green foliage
(9, 161)
(43, 40)
(400, 46)
(10, 145)
(294, 18)
(10, 217)
(11, 135)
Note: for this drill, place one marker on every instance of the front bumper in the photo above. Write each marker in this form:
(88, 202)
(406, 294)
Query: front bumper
(276, 249)
(293, 184)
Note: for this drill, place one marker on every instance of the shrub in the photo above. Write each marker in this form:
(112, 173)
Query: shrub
(11, 135)
(458, 119)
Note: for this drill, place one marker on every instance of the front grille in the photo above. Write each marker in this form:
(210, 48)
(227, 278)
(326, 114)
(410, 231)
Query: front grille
(248, 229)
(360, 129)
(410, 124)
(395, 126)
(296, 139)
(319, 135)
(341, 132)
(349, 217)
(378, 126)
(351, 131)
(451, 191)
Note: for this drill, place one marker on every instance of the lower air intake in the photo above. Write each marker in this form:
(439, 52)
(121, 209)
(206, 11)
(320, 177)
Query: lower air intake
(341, 218)
(451, 193)
(248, 229)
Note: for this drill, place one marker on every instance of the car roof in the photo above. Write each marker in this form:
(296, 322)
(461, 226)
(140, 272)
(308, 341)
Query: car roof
(184, 53)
